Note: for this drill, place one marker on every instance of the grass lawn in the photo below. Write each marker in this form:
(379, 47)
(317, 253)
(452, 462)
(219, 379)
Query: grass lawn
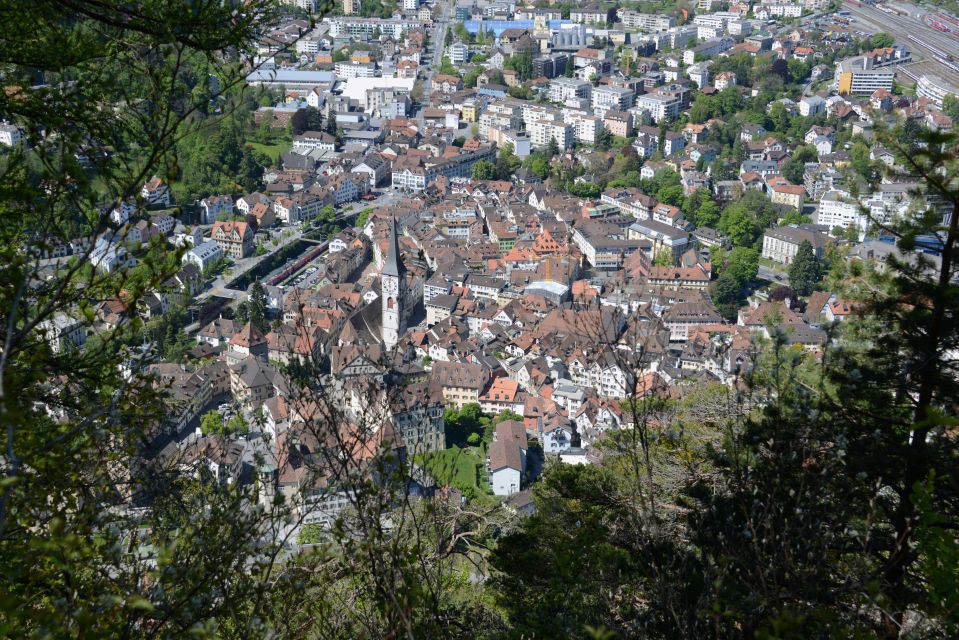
(461, 468)
(274, 150)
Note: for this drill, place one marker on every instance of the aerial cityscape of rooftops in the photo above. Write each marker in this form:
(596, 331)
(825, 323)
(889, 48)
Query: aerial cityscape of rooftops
(480, 319)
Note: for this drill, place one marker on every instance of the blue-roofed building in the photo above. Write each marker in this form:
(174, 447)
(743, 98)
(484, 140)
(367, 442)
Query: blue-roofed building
(499, 26)
(492, 90)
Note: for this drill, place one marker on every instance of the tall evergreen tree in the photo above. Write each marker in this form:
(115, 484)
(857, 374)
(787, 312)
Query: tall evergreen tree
(250, 174)
(256, 307)
(804, 271)
(314, 119)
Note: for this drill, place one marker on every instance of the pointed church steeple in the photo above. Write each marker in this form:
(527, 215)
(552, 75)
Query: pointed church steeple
(393, 290)
(393, 266)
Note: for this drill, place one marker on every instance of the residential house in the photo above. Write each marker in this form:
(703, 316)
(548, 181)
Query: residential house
(506, 461)
(234, 238)
(203, 255)
(213, 207)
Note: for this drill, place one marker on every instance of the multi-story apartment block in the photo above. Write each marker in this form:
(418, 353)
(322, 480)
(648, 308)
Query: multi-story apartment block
(234, 238)
(458, 53)
(707, 50)
(349, 69)
(935, 88)
(416, 174)
(563, 89)
(660, 107)
(542, 130)
(616, 98)
(62, 333)
(586, 128)
(364, 28)
(646, 21)
(551, 66)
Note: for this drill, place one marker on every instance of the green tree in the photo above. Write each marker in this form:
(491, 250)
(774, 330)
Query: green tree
(727, 295)
(327, 214)
(506, 162)
(256, 307)
(552, 148)
(739, 225)
(743, 221)
(484, 170)
(314, 119)
(779, 117)
(211, 423)
(672, 195)
(538, 163)
(664, 259)
(950, 106)
(250, 175)
(363, 217)
(804, 270)
(795, 217)
(461, 424)
(881, 40)
(522, 63)
(469, 78)
(742, 263)
(236, 424)
(794, 168)
(707, 215)
(447, 68)
(859, 154)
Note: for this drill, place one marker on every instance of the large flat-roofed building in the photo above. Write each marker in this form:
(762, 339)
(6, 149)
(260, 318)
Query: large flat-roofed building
(660, 107)
(935, 88)
(563, 89)
(861, 77)
(646, 21)
(292, 79)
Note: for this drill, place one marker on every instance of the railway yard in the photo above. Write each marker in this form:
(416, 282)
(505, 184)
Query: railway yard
(932, 37)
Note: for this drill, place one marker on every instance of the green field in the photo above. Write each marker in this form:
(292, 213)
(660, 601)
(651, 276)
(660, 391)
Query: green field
(464, 469)
(274, 150)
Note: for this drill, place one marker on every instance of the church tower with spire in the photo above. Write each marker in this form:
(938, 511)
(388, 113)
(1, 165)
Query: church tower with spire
(393, 289)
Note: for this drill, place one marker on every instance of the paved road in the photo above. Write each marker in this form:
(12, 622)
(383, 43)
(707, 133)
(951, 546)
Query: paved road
(773, 275)
(440, 27)
(218, 286)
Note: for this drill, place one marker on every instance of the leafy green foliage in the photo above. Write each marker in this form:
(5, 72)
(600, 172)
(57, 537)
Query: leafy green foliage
(727, 295)
(447, 68)
(701, 209)
(484, 170)
(742, 263)
(544, 566)
(460, 424)
(383, 9)
(744, 220)
(522, 63)
(311, 534)
(796, 165)
(469, 78)
(363, 217)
